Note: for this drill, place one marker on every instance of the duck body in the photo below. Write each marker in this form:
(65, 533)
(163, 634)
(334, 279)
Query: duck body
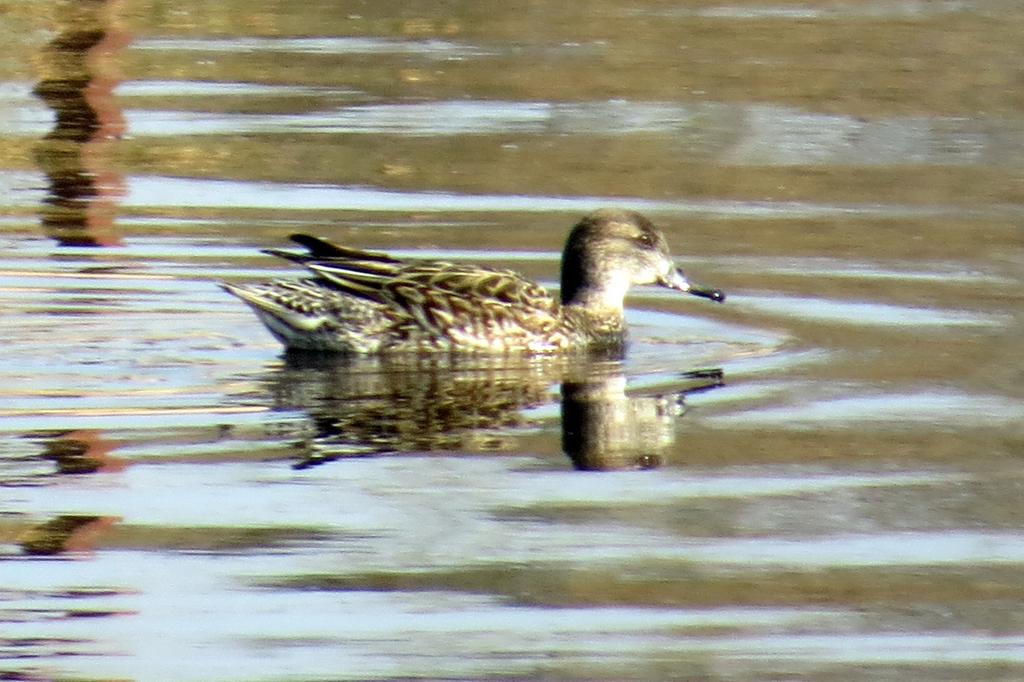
(366, 305)
(367, 302)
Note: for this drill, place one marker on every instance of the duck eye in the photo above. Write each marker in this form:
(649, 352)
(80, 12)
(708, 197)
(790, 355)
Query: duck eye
(646, 240)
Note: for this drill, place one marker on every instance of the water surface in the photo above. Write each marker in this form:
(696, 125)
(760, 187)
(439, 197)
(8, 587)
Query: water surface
(817, 480)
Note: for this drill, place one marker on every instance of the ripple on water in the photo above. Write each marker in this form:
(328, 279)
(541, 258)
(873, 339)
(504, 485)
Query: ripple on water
(439, 49)
(189, 193)
(864, 313)
(894, 409)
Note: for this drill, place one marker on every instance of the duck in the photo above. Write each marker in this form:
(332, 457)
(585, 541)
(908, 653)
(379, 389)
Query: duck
(368, 302)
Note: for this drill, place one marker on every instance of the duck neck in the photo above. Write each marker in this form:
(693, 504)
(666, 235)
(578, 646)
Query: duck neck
(598, 310)
(585, 282)
(600, 330)
(591, 292)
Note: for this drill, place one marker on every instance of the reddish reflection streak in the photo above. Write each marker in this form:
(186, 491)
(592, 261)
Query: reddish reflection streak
(84, 452)
(77, 81)
(74, 453)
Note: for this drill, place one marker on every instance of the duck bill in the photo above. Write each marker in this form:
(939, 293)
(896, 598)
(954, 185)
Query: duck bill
(675, 279)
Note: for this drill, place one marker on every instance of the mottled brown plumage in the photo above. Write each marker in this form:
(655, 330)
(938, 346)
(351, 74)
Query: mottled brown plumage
(370, 302)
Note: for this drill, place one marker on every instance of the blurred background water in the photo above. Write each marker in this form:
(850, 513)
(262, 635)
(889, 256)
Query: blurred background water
(819, 479)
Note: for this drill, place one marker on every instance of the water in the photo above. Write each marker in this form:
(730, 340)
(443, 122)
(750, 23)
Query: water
(817, 480)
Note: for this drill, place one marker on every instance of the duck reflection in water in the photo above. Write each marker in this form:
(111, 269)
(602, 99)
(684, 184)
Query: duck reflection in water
(604, 428)
(359, 407)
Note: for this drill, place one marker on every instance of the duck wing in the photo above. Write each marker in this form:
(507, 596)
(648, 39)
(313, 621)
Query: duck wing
(449, 298)
(351, 271)
(318, 249)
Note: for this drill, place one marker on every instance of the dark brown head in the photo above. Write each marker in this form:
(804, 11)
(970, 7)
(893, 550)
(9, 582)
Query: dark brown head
(609, 251)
